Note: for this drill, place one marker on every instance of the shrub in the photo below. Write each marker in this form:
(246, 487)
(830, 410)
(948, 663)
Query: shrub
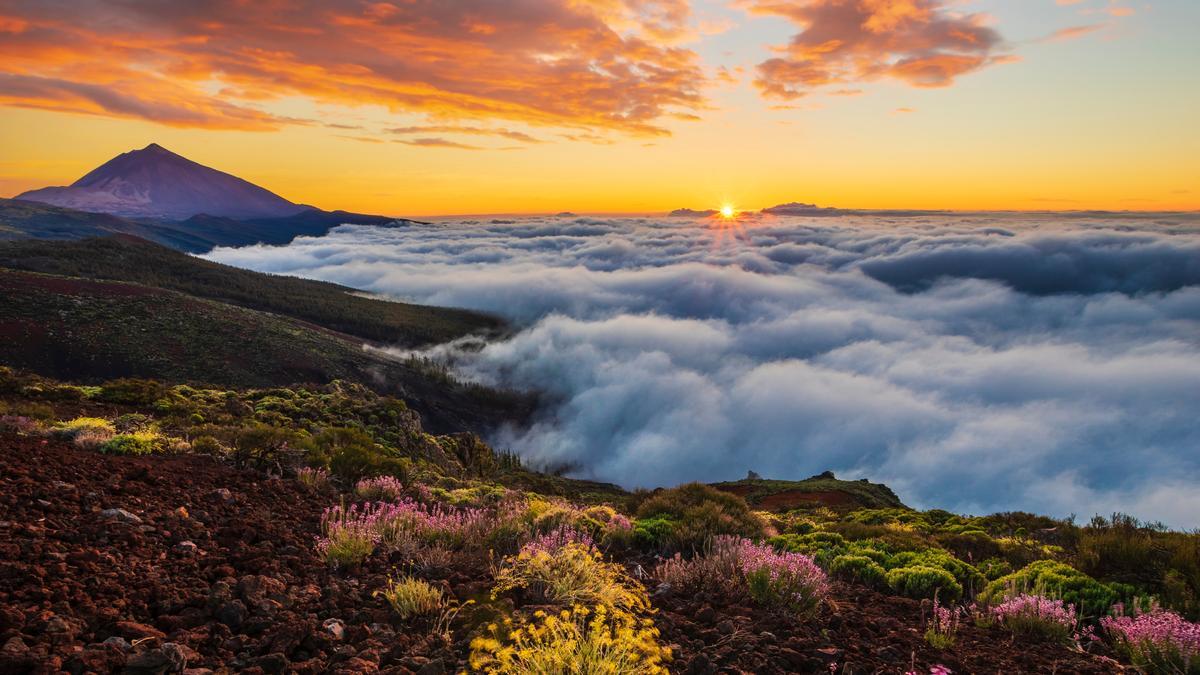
(700, 513)
(969, 579)
(349, 535)
(1158, 642)
(716, 571)
(577, 641)
(1037, 617)
(352, 454)
(131, 391)
(380, 488)
(90, 439)
(790, 580)
(860, 569)
(137, 443)
(96, 425)
(411, 597)
(1054, 580)
(208, 445)
(574, 574)
(924, 582)
(653, 532)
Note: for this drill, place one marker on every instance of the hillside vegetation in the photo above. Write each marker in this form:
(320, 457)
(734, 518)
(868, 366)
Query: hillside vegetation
(328, 305)
(86, 330)
(437, 553)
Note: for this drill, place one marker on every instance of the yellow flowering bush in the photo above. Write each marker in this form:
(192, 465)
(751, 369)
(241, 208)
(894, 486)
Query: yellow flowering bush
(575, 573)
(579, 641)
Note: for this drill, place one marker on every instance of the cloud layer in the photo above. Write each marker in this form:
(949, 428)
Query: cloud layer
(596, 64)
(978, 363)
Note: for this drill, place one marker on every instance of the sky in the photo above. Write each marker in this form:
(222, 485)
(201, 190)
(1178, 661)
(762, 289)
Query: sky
(973, 362)
(427, 107)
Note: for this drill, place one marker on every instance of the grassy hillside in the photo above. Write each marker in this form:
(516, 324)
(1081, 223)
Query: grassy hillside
(87, 330)
(328, 305)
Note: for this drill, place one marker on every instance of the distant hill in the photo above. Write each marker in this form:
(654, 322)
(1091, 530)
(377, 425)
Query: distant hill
(820, 490)
(158, 195)
(327, 305)
(156, 183)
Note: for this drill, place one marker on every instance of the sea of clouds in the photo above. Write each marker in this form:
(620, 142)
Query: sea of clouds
(975, 362)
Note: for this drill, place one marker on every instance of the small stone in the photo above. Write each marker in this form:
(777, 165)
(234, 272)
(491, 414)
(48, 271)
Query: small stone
(706, 614)
(14, 646)
(232, 614)
(223, 494)
(187, 548)
(118, 642)
(120, 515)
(169, 658)
(335, 627)
(726, 627)
(768, 637)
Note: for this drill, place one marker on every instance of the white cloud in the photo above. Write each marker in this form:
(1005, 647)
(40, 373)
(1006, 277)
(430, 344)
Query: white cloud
(967, 360)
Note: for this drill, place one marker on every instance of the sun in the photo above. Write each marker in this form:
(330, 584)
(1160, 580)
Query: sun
(727, 211)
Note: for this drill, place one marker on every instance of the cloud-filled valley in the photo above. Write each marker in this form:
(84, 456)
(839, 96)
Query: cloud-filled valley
(973, 362)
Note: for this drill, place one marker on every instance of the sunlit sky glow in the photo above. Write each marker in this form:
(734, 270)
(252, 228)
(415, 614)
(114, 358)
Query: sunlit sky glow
(426, 107)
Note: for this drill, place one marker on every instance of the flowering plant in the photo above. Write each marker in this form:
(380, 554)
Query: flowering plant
(790, 580)
(1157, 641)
(1037, 616)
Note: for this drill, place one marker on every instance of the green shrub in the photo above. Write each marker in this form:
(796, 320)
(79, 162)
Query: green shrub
(923, 582)
(131, 391)
(207, 445)
(1057, 580)
(968, 578)
(136, 443)
(860, 569)
(700, 513)
(652, 533)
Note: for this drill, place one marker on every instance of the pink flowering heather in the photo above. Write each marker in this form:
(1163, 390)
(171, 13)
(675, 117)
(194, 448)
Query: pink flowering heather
(1158, 641)
(555, 539)
(939, 669)
(349, 535)
(1037, 616)
(408, 520)
(942, 628)
(790, 580)
(380, 488)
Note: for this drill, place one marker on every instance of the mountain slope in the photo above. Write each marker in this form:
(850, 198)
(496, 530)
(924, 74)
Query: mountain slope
(328, 305)
(88, 331)
(156, 183)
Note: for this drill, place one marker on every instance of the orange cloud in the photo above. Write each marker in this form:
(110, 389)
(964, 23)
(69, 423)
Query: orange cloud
(467, 130)
(846, 41)
(584, 64)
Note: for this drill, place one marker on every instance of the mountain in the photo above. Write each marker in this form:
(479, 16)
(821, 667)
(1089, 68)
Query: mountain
(156, 183)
